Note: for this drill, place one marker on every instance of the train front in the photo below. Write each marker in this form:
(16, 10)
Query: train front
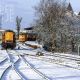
(8, 40)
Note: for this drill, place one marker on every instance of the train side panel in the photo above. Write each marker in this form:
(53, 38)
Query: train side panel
(23, 37)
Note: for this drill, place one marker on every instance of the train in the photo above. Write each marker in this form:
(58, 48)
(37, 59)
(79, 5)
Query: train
(23, 37)
(8, 39)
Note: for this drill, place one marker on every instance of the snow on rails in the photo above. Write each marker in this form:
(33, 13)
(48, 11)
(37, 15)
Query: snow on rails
(15, 65)
(46, 67)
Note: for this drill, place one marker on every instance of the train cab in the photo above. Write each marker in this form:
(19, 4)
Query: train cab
(8, 39)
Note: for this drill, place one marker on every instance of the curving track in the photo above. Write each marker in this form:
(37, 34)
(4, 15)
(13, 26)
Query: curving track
(65, 57)
(59, 55)
(60, 59)
(10, 67)
(30, 66)
(3, 61)
(13, 65)
(4, 72)
(17, 59)
(37, 72)
(59, 62)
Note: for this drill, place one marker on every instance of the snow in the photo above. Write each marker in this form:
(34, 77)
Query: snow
(25, 70)
(13, 75)
(57, 69)
(2, 55)
(34, 43)
(75, 13)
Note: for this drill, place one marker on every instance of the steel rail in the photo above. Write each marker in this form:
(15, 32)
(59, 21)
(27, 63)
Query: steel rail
(33, 68)
(53, 61)
(13, 66)
(37, 71)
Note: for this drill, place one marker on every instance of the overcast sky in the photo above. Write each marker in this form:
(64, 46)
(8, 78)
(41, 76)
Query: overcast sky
(9, 9)
(75, 5)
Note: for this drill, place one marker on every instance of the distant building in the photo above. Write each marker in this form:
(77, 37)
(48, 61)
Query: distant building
(75, 17)
(29, 29)
(79, 13)
(69, 10)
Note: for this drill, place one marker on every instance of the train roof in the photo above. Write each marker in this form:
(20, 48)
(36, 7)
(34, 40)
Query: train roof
(29, 28)
(8, 31)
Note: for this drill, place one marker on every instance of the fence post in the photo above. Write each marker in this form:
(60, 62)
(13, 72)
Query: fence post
(78, 50)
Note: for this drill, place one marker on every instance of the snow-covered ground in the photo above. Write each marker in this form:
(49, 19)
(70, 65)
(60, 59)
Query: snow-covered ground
(54, 71)
(28, 66)
(33, 43)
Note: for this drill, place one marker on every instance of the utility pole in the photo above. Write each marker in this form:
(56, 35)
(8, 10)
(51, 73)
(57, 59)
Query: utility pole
(18, 24)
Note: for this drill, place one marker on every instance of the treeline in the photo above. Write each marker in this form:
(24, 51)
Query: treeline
(55, 29)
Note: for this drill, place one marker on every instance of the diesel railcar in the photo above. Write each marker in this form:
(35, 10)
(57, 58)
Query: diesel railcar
(8, 39)
(31, 36)
(22, 37)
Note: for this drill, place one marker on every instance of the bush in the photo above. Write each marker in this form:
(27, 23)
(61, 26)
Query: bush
(48, 46)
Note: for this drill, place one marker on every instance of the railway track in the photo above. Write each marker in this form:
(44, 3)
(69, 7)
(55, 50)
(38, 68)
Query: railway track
(4, 60)
(10, 67)
(37, 71)
(23, 47)
(57, 59)
(65, 57)
(60, 56)
(54, 61)
(44, 77)
(22, 78)
(42, 58)
(13, 66)
(4, 72)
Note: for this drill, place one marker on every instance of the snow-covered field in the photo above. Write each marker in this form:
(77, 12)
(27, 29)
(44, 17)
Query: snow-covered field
(25, 65)
(54, 71)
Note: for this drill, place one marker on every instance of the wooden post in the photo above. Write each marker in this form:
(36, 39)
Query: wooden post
(78, 51)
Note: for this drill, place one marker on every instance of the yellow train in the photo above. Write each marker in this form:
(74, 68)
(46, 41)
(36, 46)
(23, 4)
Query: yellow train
(31, 36)
(27, 37)
(8, 39)
(22, 37)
